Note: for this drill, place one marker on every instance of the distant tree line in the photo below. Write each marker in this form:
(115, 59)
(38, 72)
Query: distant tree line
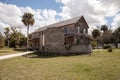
(104, 35)
(12, 37)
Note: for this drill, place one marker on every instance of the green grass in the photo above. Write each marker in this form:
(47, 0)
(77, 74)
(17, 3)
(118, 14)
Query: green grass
(101, 65)
(6, 51)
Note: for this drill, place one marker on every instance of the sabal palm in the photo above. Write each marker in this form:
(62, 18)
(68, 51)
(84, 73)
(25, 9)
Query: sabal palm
(28, 19)
(95, 33)
(104, 28)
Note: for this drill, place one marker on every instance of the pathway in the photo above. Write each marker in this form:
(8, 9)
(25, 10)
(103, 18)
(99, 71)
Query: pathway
(14, 55)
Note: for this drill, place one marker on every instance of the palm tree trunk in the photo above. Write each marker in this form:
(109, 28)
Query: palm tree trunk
(8, 43)
(27, 37)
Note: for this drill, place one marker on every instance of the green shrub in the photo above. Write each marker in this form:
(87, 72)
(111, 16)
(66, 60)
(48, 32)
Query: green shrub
(1, 47)
(93, 44)
(106, 46)
(20, 49)
(109, 49)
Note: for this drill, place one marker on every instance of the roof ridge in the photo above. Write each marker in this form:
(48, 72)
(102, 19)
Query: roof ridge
(60, 23)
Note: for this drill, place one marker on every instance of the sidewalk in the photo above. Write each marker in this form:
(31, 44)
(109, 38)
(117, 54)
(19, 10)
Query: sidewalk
(14, 55)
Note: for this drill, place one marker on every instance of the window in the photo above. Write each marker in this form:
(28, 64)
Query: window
(43, 39)
(69, 40)
(78, 29)
(69, 30)
(84, 31)
(65, 30)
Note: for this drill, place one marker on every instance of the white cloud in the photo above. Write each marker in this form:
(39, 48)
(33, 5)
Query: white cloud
(2, 26)
(11, 15)
(116, 22)
(94, 11)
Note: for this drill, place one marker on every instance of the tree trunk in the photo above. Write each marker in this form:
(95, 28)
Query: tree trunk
(27, 37)
(8, 43)
(116, 45)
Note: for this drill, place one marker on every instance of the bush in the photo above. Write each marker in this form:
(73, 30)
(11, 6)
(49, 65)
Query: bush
(1, 47)
(31, 49)
(110, 50)
(107, 46)
(93, 44)
(20, 49)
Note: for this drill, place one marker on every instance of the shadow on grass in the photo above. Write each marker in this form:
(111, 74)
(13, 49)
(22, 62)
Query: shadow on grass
(51, 55)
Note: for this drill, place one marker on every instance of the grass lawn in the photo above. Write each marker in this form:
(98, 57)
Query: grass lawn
(6, 51)
(101, 65)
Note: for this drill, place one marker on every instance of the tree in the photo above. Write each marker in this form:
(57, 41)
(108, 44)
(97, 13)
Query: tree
(116, 37)
(2, 42)
(23, 41)
(28, 19)
(15, 37)
(106, 37)
(95, 33)
(104, 28)
(7, 35)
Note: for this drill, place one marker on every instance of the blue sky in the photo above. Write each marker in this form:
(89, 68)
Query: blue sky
(109, 20)
(36, 4)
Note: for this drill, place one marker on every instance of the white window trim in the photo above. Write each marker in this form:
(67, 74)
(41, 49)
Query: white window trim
(43, 37)
(78, 29)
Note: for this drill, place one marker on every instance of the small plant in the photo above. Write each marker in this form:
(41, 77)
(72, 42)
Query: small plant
(109, 49)
(107, 46)
(19, 49)
(93, 44)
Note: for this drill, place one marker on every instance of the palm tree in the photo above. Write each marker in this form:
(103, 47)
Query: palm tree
(104, 28)
(28, 19)
(95, 33)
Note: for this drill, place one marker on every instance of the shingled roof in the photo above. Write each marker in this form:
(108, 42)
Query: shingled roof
(59, 24)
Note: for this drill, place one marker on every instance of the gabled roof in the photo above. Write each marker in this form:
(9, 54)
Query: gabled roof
(59, 24)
